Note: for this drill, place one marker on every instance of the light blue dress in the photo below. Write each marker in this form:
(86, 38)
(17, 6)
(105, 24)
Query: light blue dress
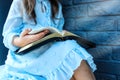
(53, 61)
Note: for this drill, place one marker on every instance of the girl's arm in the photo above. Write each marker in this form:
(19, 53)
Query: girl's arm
(26, 38)
(13, 35)
(13, 25)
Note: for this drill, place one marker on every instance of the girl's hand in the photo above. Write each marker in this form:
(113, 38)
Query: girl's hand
(26, 38)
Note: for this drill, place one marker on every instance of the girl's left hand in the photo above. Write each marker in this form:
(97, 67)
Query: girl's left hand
(26, 38)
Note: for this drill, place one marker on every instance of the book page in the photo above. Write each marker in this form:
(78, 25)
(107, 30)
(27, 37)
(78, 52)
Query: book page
(51, 29)
(67, 33)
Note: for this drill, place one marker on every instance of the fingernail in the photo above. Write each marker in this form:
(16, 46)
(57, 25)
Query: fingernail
(29, 29)
(46, 31)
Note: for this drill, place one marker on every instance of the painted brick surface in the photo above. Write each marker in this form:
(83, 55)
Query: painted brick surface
(101, 52)
(87, 1)
(105, 76)
(66, 2)
(75, 11)
(118, 77)
(105, 38)
(108, 66)
(96, 24)
(99, 21)
(116, 53)
(101, 8)
(118, 24)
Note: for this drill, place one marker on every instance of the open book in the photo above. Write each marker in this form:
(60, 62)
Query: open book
(55, 35)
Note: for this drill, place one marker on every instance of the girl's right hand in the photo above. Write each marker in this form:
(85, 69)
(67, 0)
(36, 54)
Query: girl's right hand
(26, 38)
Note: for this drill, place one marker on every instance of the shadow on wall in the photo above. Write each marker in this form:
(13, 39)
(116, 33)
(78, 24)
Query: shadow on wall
(4, 8)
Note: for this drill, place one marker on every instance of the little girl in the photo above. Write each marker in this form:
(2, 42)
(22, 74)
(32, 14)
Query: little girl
(62, 60)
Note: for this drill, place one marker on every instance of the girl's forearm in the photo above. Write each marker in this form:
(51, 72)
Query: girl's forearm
(24, 38)
(17, 42)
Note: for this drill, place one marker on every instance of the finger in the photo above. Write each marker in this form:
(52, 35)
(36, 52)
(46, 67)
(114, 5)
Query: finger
(25, 32)
(42, 34)
(46, 31)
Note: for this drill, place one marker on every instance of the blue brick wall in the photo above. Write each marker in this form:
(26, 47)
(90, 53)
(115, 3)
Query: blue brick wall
(97, 21)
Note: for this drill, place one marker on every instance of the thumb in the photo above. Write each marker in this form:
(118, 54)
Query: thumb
(25, 32)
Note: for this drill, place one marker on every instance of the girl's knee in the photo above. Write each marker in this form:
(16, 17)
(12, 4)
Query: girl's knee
(83, 72)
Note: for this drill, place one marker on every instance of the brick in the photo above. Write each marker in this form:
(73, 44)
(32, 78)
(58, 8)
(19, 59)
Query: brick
(118, 78)
(69, 24)
(103, 0)
(75, 11)
(96, 24)
(116, 53)
(80, 33)
(110, 67)
(66, 2)
(104, 38)
(104, 76)
(119, 24)
(102, 8)
(87, 1)
(80, 1)
(101, 52)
